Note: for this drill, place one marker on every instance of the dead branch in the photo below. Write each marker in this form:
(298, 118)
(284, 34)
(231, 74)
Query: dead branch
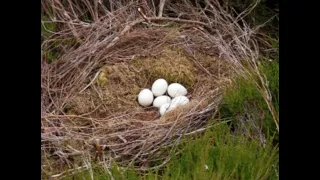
(161, 5)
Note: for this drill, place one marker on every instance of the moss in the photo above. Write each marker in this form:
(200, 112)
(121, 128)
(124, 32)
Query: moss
(120, 86)
(171, 65)
(102, 79)
(121, 83)
(79, 105)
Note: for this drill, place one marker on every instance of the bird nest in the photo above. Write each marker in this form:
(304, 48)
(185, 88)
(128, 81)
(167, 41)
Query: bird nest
(103, 116)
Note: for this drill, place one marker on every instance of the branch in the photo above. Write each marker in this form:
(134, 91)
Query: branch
(156, 19)
(161, 5)
(160, 18)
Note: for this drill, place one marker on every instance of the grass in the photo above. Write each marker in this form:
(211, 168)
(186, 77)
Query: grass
(244, 104)
(226, 157)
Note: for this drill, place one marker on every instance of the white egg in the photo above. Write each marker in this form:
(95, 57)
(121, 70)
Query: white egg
(180, 100)
(159, 87)
(145, 97)
(160, 100)
(176, 89)
(165, 108)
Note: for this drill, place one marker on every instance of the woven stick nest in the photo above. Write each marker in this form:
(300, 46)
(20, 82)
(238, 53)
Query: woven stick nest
(89, 106)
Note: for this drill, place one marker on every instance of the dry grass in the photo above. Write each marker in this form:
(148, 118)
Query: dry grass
(89, 108)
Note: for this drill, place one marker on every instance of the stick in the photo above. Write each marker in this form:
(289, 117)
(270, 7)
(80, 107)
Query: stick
(161, 5)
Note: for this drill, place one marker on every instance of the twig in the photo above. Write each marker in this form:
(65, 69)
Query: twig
(161, 5)
(203, 129)
(93, 79)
